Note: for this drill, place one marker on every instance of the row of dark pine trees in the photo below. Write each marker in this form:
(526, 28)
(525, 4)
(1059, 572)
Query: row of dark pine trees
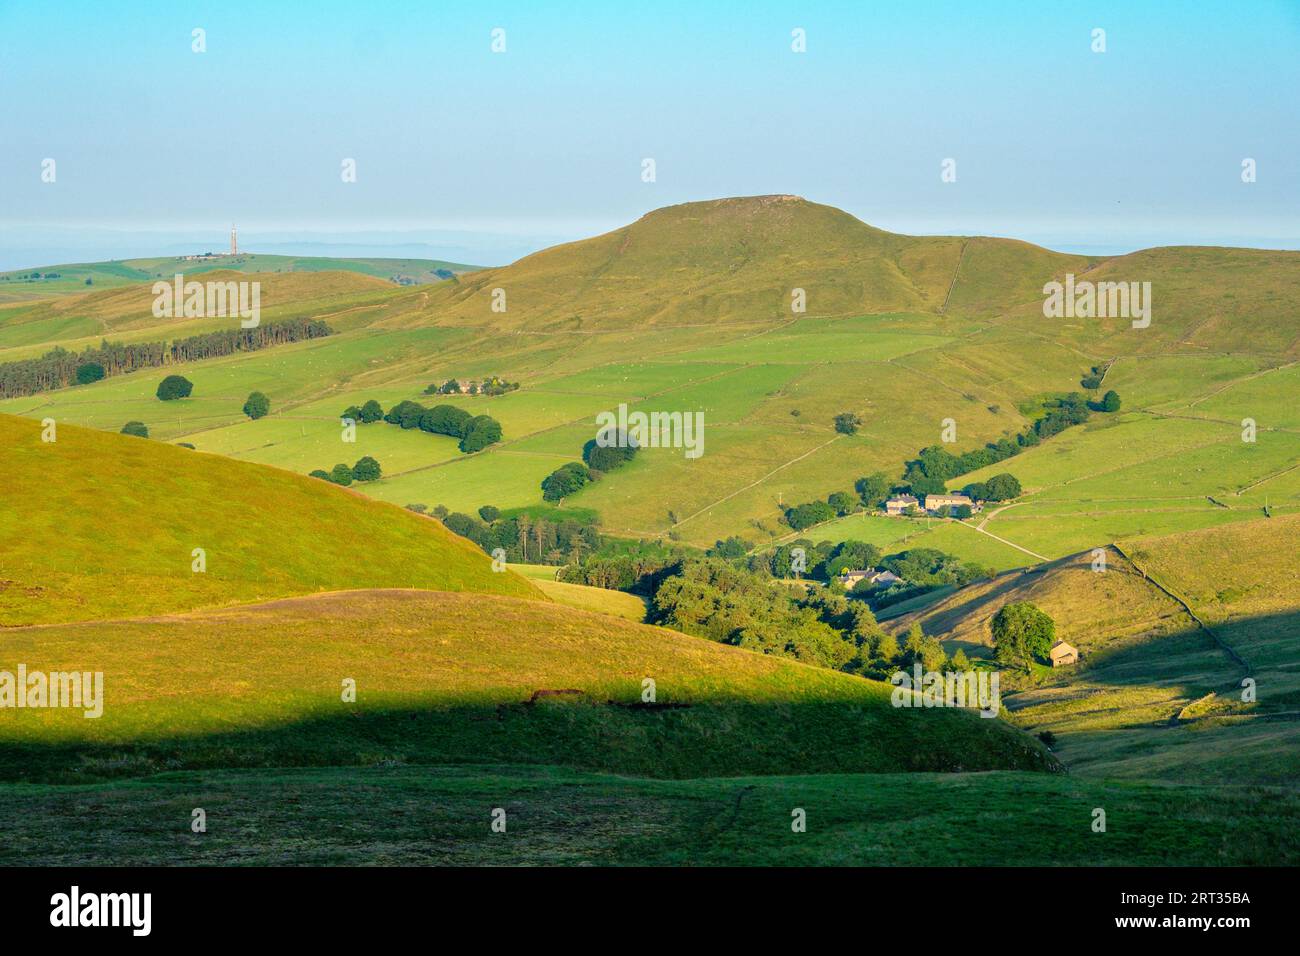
(58, 367)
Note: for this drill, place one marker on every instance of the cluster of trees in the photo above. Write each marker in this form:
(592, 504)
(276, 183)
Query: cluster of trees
(619, 565)
(524, 538)
(173, 387)
(229, 341)
(1022, 633)
(933, 467)
(597, 459)
(1109, 403)
(366, 469)
(808, 514)
(59, 367)
(565, 480)
(921, 569)
(617, 450)
(1065, 412)
(1001, 487)
(610, 452)
(1093, 378)
(718, 600)
(257, 405)
(492, 385)
(1092, 381)
(24, 277)
(366, 414)
(846, 423)
(822, 561)
(475, 432)
(871, 492)
(138, 429)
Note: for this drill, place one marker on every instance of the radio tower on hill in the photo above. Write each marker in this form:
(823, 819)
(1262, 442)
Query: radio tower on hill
(234, 246)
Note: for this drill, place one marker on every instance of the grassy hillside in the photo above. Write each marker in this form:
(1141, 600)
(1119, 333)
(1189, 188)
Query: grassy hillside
(125, 314)
(600, 600)
(737, 261)
(104, 525)
(1167, 634)
(444, 677)
(21, 284)
(688, 310)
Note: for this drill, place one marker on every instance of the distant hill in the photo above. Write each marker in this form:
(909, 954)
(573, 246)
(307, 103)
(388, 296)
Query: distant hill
(688, 309)
(125, 313)
(104, 525)
(44, 281)
(738, 260)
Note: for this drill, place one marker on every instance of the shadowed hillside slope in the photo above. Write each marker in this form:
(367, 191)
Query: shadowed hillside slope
(1188, 645)
(466, 678)
(98, 525)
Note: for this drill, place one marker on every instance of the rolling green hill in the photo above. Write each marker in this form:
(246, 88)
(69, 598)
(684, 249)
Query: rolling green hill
(465, 678)
(46, 281)
(736, 261)
(474, 690)
(1167, 633)
(103, 526)
(688, 310)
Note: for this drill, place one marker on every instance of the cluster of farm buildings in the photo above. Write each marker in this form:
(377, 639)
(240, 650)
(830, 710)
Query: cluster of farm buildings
(906, 504)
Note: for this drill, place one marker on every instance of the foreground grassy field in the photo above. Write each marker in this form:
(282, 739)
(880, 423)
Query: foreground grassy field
(113, 522)
(441, 815)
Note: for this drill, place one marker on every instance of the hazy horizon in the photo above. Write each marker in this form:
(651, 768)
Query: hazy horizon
(1053, 143)
(35, 246)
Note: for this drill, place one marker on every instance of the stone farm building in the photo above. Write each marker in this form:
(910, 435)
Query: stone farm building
(871, 576)
(1062, 653)
(934, 502)
(899, 504)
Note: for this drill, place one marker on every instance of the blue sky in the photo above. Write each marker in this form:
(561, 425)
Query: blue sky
(1139, 145)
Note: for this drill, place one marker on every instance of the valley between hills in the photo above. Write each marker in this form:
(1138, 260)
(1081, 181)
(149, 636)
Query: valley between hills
(487, 682)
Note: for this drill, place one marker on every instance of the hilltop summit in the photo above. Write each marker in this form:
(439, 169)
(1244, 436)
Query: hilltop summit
(737, 261)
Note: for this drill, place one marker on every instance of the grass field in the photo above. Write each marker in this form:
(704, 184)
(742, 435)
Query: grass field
(444, 677)
(419, 816)
(601, 600)
(223, 686)
(18, 285)
(767, 381)
(119, 518)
